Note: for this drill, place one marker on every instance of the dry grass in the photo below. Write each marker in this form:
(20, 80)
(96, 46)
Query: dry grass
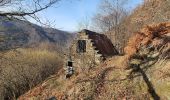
(146, 36)
(22, 69)
(105, 82)
(111, 79)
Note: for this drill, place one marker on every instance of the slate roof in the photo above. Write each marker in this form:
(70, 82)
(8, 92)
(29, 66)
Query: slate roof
(102, 43)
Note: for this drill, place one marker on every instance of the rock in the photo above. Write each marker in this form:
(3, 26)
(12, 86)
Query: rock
(136, 61)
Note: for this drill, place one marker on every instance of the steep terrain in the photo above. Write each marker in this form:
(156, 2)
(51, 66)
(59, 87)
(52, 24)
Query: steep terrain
(24, 68)
(28, 48)
(150, 12)
(17, 33)
(140, 75)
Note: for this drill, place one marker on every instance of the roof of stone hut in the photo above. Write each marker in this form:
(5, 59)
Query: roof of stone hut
(102, 43)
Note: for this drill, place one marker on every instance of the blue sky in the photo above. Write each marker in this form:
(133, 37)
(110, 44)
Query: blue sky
(67, 13)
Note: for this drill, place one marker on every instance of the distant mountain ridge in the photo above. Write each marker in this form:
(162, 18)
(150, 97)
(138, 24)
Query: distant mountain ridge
(21, 33)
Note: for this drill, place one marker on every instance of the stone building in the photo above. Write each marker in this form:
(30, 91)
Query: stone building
(90, 49)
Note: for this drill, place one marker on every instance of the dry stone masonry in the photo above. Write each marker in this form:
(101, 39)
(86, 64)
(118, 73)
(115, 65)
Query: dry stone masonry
(90, 49)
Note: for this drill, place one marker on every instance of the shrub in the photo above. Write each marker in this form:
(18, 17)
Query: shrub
(22, 69)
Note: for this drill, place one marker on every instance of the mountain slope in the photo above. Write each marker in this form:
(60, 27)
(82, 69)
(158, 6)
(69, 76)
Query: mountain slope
(20, 33)
(28, 48)
(140, 75)
(150, 12)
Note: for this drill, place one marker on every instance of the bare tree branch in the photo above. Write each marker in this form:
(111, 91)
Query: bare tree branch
(23, 9)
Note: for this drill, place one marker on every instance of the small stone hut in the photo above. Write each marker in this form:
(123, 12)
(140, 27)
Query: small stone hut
(90, 49)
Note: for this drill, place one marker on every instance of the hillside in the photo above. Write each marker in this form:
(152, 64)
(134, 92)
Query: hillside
(140, 75)
(17, 33)
(150, 12)
(28, 48)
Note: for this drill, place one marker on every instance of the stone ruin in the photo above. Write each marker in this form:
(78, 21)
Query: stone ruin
(89, 49)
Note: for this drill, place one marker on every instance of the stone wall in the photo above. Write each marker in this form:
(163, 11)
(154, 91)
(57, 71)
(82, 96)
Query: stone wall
(84, 61)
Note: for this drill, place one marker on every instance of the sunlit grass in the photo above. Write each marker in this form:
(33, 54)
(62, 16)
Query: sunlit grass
(22, 69)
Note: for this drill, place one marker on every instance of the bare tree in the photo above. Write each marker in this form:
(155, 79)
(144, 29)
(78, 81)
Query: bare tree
(24, 9)
(109, 18)
(110, 14)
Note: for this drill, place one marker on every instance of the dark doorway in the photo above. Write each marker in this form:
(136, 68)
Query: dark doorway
(70, 63)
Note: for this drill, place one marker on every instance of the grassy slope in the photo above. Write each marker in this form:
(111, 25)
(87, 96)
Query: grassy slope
(109, 80)
(104, 83)
(116, 78)
(22, 69)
